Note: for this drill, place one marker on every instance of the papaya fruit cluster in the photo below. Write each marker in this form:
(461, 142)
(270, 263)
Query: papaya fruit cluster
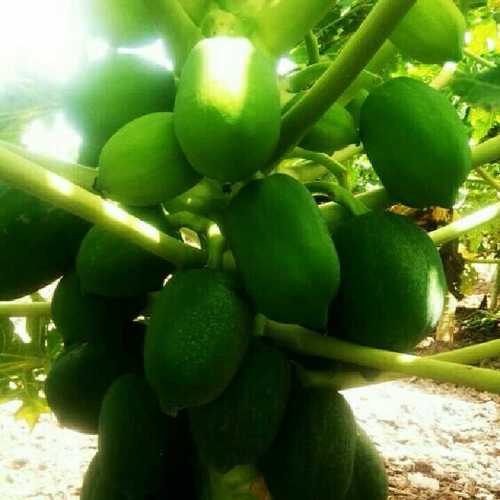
(167, 365)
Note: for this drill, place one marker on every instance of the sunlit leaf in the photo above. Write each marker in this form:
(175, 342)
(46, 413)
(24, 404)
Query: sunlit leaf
(481, 89)
(31, 410)
(484, 37)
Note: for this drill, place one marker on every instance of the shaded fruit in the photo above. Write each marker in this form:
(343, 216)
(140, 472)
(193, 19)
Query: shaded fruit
(94, 485)
(416, 143)
(240, 425)
(111, 92)
(111, 266)
(133, 437)
(369, 479)
(393, 284)
(313, 455)
(77, 382)
(335, 130)
(283, 250)
(196, 339)
(125, 23)
(81, 317)
(433, 31)
(227, 116)
(143, 165)
(38, 243)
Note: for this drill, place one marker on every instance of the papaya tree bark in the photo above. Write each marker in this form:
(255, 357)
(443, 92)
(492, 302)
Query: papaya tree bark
(446, 326)
(495, 289)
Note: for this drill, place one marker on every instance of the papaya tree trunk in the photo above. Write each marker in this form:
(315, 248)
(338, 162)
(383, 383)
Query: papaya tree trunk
(494, 303)
(446, 327)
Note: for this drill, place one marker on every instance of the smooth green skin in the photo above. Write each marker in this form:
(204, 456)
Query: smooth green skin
(283, 250)
(335, 130)
(110, 266)
(393, 284)
(416, 143)
(77, 382)
(356, 104)
(133, 437)
(143, 165)
(433, 31)
(227, 109)
(38, 243)
(196, 339)
(95, 487)
(369, 479)
(239, 426)
(125, 23)
(81, 317)
(313, 455)
(111, 92)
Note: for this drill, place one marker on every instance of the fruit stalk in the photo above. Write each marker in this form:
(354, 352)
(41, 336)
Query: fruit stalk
(355, 55)
(178, 30)
(350, 379)
(25, 310)
(312, 48)
(30, 177)
(310, 343)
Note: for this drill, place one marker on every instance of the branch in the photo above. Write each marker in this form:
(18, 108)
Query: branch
(25, 310)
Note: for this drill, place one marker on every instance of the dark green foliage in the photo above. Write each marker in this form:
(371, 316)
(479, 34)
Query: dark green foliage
(416, 143)
(369, 479)
(133, 437)
(283, 250)
(83, 317)
(197, 337)
(95, 487)
(78, 380)
(393, 285)
(38, 243)
(114, 267)
(111, 92)
(239, 426)
(313, 455)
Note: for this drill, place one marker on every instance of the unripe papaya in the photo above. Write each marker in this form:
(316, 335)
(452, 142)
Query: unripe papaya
(416, 143)
(196, 339)
(369, 479)
(38, 243)
(133, 437)
(125, 23)
(111, 92)
(240, 425)
(227, 109)
(143, 165)
(313, 455)
(372, 310)
(95, 486)
(433, 31)
(335, 130)
(283, 250)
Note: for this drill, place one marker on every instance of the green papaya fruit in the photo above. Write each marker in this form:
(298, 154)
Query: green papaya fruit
(372, 310)
(240, 425)
(110, 266)
(143, 165)
(196, 339)
(355, 105)
(433, 32)
(95, 486)
(133, 437)
(416, 143)
(313, 455)
(38, 243)
(227, 115)
(81, 317)
(335, 130)
(113, 91)
(283, 250)
(78, 380)
(125, 23)
(369, 479)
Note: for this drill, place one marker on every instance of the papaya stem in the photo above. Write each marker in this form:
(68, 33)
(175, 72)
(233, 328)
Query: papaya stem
(479, 59)
(355, 55)
(310, 343)
(489, 179)
(216, 244)
(25, 310)
(444, 77)
(30, 177)
(312, 47)
(179, 31)
(350, 379)
(340, 195)
(486, 152)
(301, 79)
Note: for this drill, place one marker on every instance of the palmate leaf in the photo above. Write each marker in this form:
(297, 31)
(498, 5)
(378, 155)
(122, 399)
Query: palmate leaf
(30, 411)
(480, 89)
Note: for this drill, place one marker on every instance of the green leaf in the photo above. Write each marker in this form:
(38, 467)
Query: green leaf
(481, 89)
(30, 411)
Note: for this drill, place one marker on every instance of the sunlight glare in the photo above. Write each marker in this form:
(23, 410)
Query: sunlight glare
(115, 211)
(285, 65)
(60, 183)
(149, 231)
(154, 52)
